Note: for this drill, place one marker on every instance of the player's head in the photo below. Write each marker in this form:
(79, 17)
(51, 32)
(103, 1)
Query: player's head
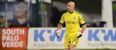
(70, 6)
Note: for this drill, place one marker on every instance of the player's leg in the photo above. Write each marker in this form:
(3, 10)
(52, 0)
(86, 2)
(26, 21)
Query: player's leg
(67, 49)
(71, 46)
(66, 43)
(73, 43)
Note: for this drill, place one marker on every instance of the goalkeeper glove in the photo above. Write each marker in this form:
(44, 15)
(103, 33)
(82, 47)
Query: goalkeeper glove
(58, 33)
(79, 35)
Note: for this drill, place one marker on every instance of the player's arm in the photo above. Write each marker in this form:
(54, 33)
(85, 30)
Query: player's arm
(59, 26)
(83, 28)
(83, 24)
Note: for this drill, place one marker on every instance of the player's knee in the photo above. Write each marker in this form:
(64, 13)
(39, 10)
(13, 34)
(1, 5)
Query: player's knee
(67, 49)
(71, 46)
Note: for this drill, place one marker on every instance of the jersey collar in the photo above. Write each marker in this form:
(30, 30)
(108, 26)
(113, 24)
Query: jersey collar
(71, 12)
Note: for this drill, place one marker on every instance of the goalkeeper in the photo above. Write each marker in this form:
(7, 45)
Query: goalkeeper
(73, 20)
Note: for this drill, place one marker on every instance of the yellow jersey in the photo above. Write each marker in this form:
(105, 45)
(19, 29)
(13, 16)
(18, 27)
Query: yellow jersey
(72, 21)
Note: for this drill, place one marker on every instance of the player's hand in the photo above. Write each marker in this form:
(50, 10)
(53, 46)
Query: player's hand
(58, 33)
(79, 35)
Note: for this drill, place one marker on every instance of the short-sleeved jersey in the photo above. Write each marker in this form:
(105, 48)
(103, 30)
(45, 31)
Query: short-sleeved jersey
(72, 21)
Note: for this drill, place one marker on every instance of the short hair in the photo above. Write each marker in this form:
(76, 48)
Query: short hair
(75, 2)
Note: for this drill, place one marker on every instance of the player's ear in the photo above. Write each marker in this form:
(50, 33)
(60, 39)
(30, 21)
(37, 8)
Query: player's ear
(76, 3)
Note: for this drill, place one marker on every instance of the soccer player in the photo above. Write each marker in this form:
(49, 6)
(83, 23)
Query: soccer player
(73, 20)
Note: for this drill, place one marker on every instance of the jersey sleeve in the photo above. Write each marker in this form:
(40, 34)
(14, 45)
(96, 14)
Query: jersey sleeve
(81, 19)
(62, 19)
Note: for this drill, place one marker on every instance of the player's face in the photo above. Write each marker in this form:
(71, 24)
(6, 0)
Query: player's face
(70, 6)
